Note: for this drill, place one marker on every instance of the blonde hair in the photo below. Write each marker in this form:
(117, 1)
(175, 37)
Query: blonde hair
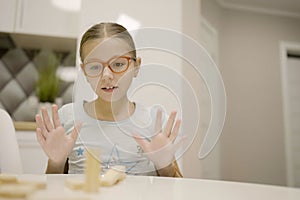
(106, 30)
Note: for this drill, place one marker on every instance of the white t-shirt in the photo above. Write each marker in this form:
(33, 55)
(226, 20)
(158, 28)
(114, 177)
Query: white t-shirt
(114, 139)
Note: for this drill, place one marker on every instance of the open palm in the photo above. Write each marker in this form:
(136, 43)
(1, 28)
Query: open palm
(52, 137)
(161, 148)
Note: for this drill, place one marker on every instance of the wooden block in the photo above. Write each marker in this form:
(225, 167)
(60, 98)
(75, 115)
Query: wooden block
(74, 184)
(113, 176)
(92, 170)
(57, 196)
(7, 178)
(14, 190)
(38, 181)
(39, 185)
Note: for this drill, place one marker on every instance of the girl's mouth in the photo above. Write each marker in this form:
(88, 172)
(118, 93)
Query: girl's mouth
(109, 89)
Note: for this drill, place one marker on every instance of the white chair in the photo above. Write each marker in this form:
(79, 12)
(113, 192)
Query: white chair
(10, 160)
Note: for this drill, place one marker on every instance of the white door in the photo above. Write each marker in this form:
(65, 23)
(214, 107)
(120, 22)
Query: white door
(290, 74)
(293, 101)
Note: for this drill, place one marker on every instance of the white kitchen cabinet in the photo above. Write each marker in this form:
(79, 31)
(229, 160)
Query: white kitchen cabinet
(7, 15)
(33, 158)
(47, 17)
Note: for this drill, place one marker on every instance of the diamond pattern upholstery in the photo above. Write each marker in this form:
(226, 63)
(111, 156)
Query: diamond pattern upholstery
(18, 77)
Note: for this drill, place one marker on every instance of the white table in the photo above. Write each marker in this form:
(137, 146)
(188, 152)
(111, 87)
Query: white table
(156, 188)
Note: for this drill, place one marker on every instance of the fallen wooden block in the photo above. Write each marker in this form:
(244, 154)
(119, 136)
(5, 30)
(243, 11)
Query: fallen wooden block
(74, 184)
(7, 178)
(14, 190)
(59, 196)
(113, 176)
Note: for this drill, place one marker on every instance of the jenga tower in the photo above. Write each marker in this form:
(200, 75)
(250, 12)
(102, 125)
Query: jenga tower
(92, 170)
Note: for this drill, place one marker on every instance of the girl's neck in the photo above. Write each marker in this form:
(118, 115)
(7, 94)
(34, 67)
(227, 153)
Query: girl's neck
(110, 111)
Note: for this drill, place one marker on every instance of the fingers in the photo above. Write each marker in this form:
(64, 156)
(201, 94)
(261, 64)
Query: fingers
(40, 137)
(46, 119)
(175, 130)
(55, 117)
(41, 126)
(75, 131)
(170, 123)
(158, 123)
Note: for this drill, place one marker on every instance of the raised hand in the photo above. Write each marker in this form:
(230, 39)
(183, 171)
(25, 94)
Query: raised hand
(161, 147)
(52, 137)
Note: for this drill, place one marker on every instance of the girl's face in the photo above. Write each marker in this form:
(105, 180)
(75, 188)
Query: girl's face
(108, 85)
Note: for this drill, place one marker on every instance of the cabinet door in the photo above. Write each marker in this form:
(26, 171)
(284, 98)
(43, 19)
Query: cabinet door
(7, 15)
(34, 160)
(45, 17)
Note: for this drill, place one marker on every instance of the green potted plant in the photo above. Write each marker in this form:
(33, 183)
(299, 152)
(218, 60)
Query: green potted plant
(48, 84)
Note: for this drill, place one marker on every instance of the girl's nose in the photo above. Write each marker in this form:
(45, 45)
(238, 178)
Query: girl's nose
(107, 73)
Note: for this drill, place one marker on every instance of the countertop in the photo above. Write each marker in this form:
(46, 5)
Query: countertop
(150, 188)
(24, 126)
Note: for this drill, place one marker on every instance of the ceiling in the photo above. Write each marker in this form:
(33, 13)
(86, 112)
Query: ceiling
(290, 8)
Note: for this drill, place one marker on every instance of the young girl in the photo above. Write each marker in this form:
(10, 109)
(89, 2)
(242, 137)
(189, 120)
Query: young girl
(127, 133)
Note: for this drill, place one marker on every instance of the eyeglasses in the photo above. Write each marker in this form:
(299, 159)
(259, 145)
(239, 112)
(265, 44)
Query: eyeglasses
(117, 65)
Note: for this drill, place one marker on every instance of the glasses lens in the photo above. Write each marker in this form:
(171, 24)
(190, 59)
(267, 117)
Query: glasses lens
(93, 68)
(119, 64)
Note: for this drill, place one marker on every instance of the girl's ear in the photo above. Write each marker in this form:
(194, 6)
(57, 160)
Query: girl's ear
(137, 65)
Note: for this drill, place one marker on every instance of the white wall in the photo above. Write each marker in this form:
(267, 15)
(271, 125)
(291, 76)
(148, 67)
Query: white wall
(252, 143)
(155, 13)
(193, 167)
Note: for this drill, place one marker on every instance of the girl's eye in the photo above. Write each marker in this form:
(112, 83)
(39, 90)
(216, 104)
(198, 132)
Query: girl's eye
(94, 67)
(118, 64)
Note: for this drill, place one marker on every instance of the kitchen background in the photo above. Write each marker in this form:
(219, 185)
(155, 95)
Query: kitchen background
(19, 75)
(248, 39)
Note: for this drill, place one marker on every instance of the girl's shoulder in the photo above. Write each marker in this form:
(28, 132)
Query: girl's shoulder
(66, 112)
(66, 109)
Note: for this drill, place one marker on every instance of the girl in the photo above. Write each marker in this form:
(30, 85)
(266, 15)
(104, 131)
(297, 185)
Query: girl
(126, 132)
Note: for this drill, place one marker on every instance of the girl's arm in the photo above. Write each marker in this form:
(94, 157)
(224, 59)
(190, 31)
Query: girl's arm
(57, 168)
(171, 170)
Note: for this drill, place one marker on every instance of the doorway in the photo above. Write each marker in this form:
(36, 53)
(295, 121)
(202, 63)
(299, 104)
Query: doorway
(290, 74)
